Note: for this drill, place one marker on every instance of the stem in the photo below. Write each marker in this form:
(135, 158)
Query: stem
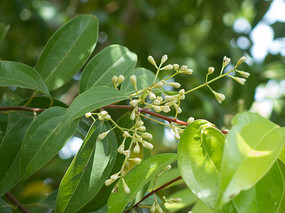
(19, 205)
(154, 191)
(23, 108)
(31, 98)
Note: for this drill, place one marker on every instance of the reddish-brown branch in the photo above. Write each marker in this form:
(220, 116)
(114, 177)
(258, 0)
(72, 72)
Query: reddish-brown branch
(154, 191)
(23, 108)
(17, 203)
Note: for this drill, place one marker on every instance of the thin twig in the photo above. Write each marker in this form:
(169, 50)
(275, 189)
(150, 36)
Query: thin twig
(19, 205)
(154, 191)
(23, 108)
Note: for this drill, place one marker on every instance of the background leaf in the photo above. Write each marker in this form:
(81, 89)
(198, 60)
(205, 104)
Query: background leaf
(21, 75)
(199, 156)
(248, 153)
(144, 79)
(44, 139)
(91, 100)
(88, 171)
(113, 60)
(68, 50)
(4, 207)
(4, 28)
(10, 152)
(136, 179)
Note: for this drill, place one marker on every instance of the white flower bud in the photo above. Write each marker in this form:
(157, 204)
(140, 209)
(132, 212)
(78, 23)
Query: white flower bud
(152, 208)
(147, 145)
(88, 114)
(240, 80)
(133, 79)
(121, 148)
(175, 67)
(169, 98)
(120, 79)
(219, 96)
(158, 84)
(174, 84)
(147, 135)
(103, 135)
(165, 109)
(127, 153)
(243, 74)
(170, 103)
(101, 118)
(126, 134)
(182, 92)
(176, 200)
(183, 68)
(158, 209)
(114, 80)
(107, 117)
(166, 168)
(125, 186)
(115, 176)
(137, 148)
(134, 103)
(190, 120)
(108, 182)
(133, 115)
(188, 71)
(142, 128)
(167, 67)
(211, 70)
(241, 60)
(156, 108)
(159, 98)
(151, 60)
(151, 95)
(136, 160)
(176, 136)
(182, 97)
(163, 59)
(103, 113)
(156, 102)
(139, 123)
(226, 61)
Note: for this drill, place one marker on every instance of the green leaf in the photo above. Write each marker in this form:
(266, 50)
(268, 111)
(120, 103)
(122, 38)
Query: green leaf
(4, 28)
(282, 155)
(113, 60)
(144, 79)
(252, 146)
(136, 179)
(44, 139)
(43, 102)
(10, 151)
(5, 207)
(199, 158)
(21, 75)
(91, 100)
(68, 50)
(265, 196)
(88, 171)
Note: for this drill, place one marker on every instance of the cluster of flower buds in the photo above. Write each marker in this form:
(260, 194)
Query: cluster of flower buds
(103, 115)
(155, 208)
(118, 80)
(183, 69)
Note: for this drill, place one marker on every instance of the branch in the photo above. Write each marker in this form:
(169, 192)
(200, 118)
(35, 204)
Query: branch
(22, 108)
(19, 205)
(154, 191)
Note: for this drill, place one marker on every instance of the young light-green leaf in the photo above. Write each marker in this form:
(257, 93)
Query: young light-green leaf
(44, 139)
(21, 75)
(91, 100)
(265, 196)
(252, 146)
(199, 157)
(68, 50)
(145, 79)
(136, 179)
(10, 150)
(88, 171)
(113, 60)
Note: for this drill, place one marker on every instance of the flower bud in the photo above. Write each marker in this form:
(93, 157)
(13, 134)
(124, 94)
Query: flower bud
(107, 117)
(147, 135)
(176, 200)
(108, 182)
(134, 103)
(156, 108)
(165, 109)
(114, 80)
(151, 60)
(241, 60)
(156, 102)
(219, 96)
(152, 208)
(88, 114)
(147, 145)
(133, 115)
(190, 120)
(151, 95)
(127, 153)
(183, 68)
(169, 98)
(103, 135)
(125, 186)
(243, 74)
(139, 123)
(158, 84)
(133, 79)
(239, 80)
(226, 61)
(211, 70)
(174, 84)
(126, 134)
(115, 176)
(175, 67)
(176, 136)
(158, 209)
(137, 148)
(167, 67)
(136, 160)
(166, 168)
(120, 79)
(163, 59)
(103, 113)
(121, 148)
(182, 92)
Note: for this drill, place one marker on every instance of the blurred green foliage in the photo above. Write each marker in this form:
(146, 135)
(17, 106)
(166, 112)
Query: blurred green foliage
(197, 33)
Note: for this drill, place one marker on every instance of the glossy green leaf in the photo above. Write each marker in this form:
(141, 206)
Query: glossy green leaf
(21, 75)
(42, 102)
(10, 150)
(68, 50)
(4, 28)
(265, 196)
(44, 139)
(88, 171)
(144, 79)
(199, 158)
(91, 100)
(136, 179)
(252, 146)
(282, 155)
(113, 60)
